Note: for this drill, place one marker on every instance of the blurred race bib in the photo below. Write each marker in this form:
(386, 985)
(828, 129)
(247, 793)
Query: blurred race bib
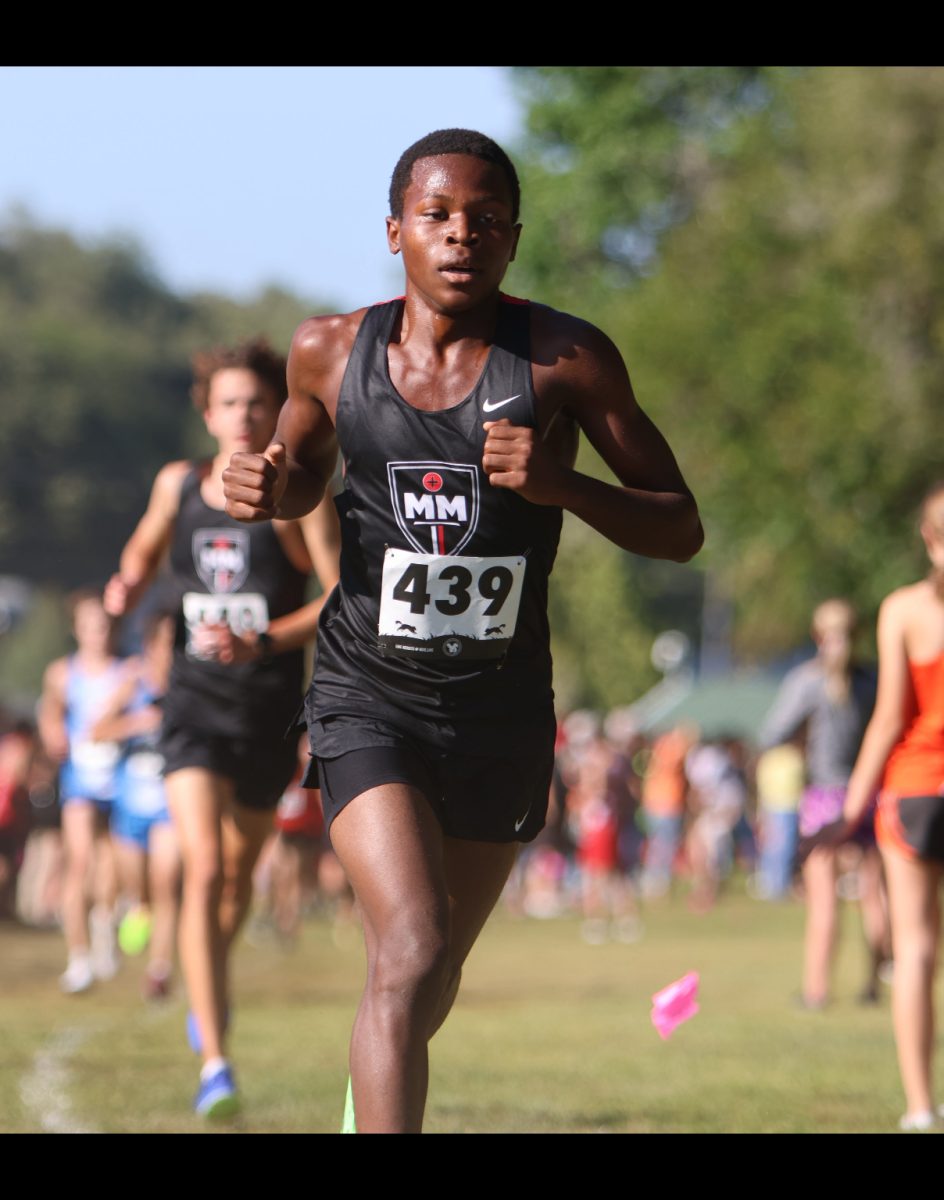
(243, 612)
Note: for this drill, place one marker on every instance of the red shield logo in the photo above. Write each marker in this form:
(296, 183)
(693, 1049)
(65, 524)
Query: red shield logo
(221, 558)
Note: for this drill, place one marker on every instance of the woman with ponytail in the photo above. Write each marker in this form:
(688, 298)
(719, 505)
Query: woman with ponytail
(903, 752)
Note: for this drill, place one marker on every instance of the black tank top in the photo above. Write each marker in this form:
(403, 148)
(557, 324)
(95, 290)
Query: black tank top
(224, 570)
(425, 623)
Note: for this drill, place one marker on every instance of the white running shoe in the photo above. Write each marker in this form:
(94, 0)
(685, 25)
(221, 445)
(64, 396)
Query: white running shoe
(78, 975)
(919, 1122)
(629, 930)
(593, 931)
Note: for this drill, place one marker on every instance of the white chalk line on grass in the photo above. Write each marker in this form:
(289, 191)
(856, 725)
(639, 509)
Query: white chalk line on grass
(44, 1089)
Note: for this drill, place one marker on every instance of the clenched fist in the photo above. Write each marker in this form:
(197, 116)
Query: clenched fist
(515, 457)
(253, 484)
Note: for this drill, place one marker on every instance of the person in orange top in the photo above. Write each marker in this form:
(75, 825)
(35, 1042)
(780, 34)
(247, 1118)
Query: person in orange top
(664, 793)
(903, 749)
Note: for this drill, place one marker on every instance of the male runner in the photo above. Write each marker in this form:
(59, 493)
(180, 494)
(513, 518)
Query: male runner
(144, 839)
(75, 691)
(431, 719)
(236, 679)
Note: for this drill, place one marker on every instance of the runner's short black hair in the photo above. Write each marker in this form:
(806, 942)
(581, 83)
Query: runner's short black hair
(452, 141)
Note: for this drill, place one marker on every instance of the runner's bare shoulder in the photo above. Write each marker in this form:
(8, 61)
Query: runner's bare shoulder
(571, 356)
(320, 349)
(165, 494)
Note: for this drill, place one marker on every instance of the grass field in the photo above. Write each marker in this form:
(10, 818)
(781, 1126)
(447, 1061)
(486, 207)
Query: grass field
(549, 1035)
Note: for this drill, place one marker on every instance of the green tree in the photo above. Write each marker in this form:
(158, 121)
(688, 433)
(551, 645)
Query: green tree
(30, 646)
(613, 159)
(95, 377)
(792, 338)
(762, 244)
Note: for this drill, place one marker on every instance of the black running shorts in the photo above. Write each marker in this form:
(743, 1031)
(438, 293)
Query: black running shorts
(913, 825)
(497, 797)
(260, 768)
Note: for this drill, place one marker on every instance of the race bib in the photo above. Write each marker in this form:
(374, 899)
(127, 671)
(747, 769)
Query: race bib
(448, 607)
(95, 764)
(143, 792)
(95, 756)
(144, 764)
(244, 612)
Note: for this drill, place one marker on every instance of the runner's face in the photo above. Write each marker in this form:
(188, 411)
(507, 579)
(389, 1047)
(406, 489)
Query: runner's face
(92, 627)
(242, 411)
(833, 634)
(456, 234)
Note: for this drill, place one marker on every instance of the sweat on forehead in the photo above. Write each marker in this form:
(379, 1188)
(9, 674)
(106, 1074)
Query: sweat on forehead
(452, 141)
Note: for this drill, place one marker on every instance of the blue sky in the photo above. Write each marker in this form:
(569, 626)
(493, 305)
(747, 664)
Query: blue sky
(235, 177)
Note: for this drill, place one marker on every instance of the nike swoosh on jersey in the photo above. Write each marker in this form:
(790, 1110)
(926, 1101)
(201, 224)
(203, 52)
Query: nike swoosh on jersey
(487, 405)
(518, 824)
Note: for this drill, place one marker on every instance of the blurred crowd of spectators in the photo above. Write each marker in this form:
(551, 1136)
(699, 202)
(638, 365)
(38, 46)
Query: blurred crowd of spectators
(633, 817)
(636, 816)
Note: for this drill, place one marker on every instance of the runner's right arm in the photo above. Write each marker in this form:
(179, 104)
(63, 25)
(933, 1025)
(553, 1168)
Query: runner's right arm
(145, 549)
(887, 721)
(51, 712)
(290, 478)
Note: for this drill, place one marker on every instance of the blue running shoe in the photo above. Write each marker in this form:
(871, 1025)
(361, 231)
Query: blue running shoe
(217, 1096)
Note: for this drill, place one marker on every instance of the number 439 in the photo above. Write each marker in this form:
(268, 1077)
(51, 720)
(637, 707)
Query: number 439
(493, 584)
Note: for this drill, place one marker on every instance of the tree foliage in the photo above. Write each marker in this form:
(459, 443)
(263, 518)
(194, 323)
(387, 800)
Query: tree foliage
(763, 244)
(95, 376)
(613, 158)
(792, 338)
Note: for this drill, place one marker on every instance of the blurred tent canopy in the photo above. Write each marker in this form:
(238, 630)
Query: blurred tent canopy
(732, 705)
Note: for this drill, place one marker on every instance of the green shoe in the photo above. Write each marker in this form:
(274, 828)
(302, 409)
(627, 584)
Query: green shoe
(348, 1125)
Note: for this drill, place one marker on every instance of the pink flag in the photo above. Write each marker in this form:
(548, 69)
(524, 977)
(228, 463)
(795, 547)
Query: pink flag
(675, 1004)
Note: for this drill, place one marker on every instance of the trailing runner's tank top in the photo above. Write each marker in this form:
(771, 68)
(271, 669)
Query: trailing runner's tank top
(141, 790)
(441, 613)
(89, 773)
(225, 570)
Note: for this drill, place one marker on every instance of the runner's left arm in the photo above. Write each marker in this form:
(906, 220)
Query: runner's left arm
(651, 511)
(115, 723)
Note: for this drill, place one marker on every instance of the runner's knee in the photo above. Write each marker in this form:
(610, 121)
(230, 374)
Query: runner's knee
(917, 949)
(203, 873)
(411, 959)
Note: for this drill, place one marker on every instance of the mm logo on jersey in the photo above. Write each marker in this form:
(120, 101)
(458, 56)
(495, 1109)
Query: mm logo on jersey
(436, 504)
(221, 557)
